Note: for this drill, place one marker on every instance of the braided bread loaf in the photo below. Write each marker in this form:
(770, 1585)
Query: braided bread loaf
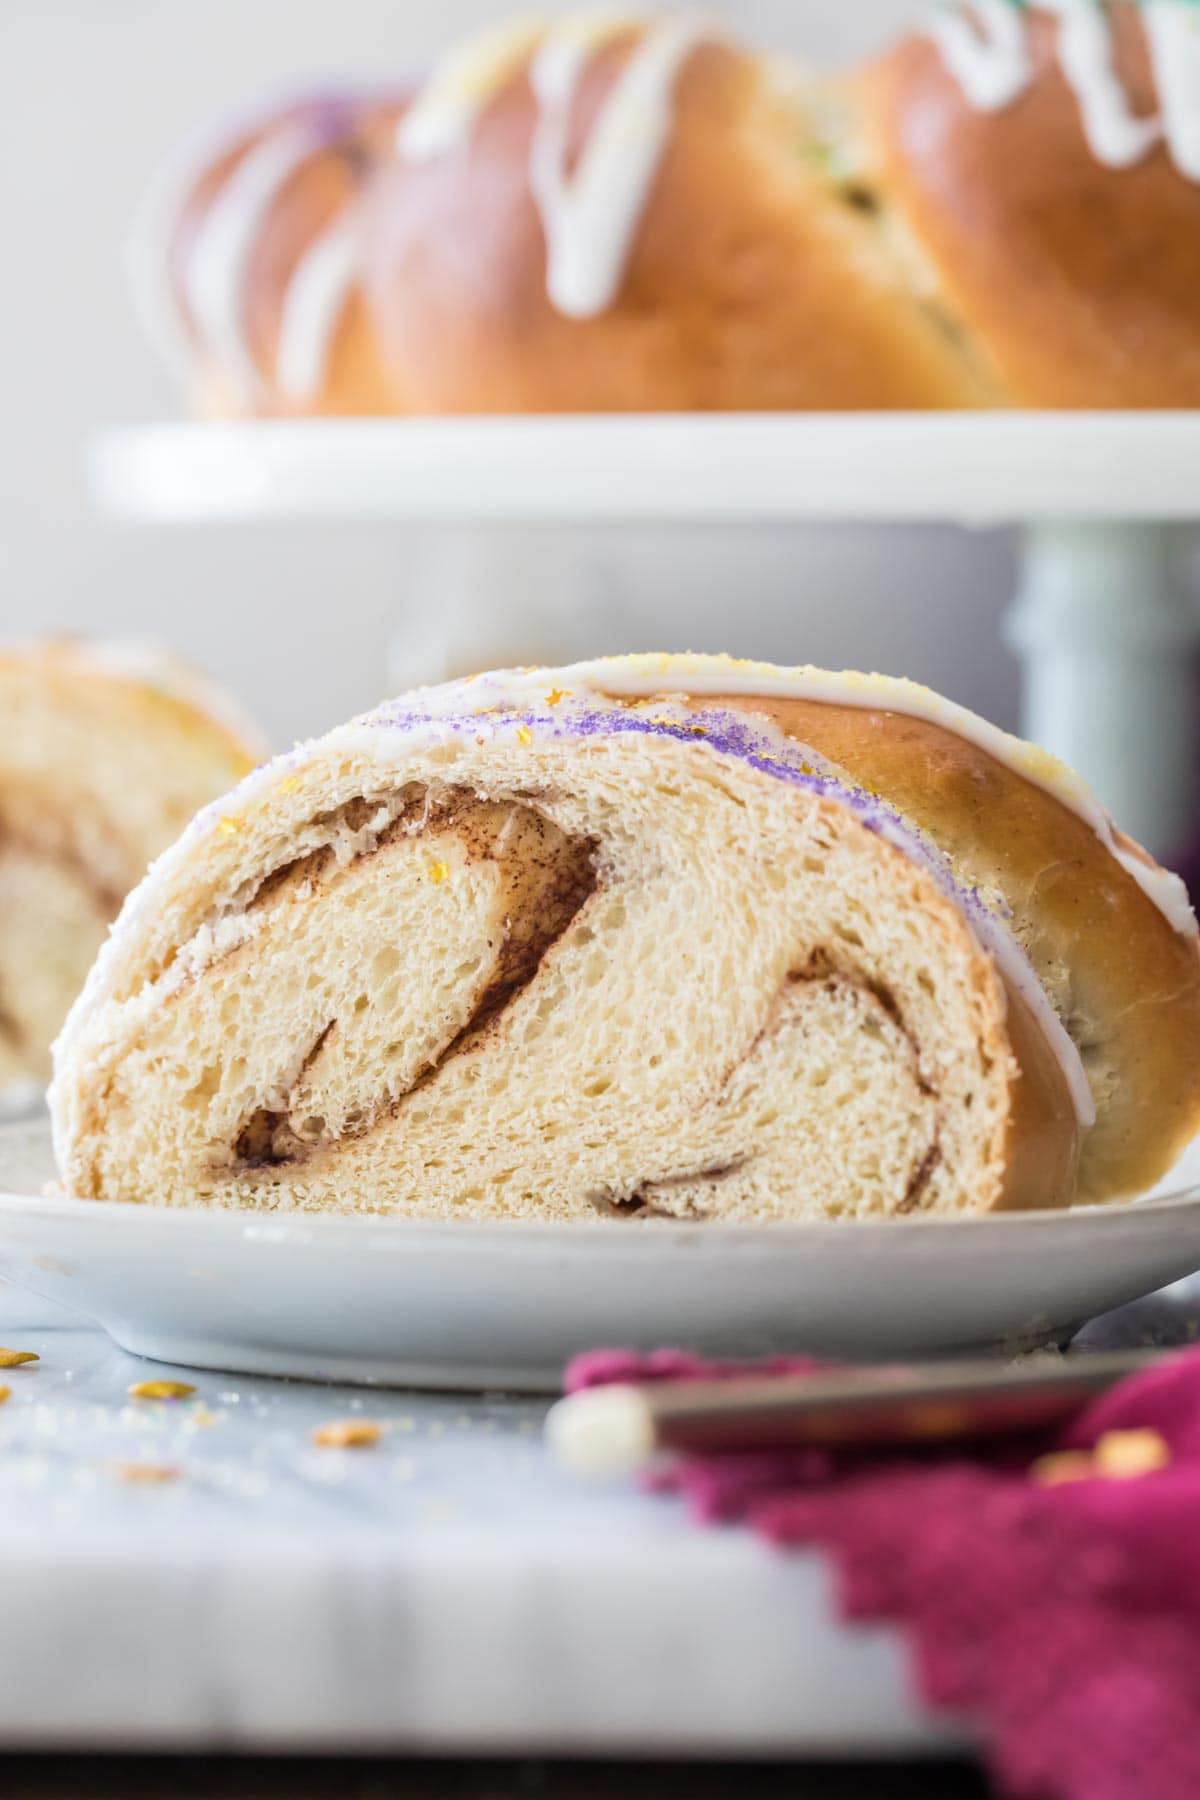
(675, 936)
(602, 215)
(104, 756)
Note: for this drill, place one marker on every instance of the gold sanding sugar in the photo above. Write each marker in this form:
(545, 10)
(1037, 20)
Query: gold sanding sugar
(161, 1390)
(1122, 1454)
(1061, 1466)
(1118, 1456)
(15, 1359)
(144, 1474)
(347, 1434)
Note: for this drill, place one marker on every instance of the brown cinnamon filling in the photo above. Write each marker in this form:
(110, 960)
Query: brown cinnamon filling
(562, 877)
(647, 1199)
(51, 847)
(267, 1140)
(27, 1038)
(920, 1179)
(558, 878)
(11, 1032)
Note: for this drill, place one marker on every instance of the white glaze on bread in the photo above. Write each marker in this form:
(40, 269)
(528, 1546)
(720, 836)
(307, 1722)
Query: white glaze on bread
(208, 314)
(313, 304)
(590, 214)
(216, 274)
(646, 675)
(441, 118)
(985, 48)
(592, 197)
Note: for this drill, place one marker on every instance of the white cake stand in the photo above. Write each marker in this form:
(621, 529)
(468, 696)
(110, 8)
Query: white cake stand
(1105, 629)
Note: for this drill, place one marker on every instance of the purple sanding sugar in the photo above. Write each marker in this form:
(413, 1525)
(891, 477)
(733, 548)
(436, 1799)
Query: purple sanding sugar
(724, 733)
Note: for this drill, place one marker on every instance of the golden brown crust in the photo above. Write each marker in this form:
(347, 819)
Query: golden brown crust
(754, 282)
(982, 258)
(1080, 280)
(1124, 982)
(103, 760)
(313, 199)
(751, 283)
(1042, 1147)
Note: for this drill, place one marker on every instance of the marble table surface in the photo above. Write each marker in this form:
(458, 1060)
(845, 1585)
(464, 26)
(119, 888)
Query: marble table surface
(199, 1574)
(446, 1589)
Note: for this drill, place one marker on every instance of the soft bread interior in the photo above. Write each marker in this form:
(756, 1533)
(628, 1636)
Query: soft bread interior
(1123, 980)
(97, 774)
(52, 923)
(124, 764)
(555, 979)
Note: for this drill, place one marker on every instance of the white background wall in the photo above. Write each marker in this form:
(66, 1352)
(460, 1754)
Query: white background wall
(297, 620)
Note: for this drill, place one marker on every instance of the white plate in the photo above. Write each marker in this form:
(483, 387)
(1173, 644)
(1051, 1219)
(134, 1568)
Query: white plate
(971, 467)
(496, 1305)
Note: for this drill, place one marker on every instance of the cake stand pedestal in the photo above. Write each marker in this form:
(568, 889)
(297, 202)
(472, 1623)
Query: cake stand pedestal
(1106, 630)
(1107, 634)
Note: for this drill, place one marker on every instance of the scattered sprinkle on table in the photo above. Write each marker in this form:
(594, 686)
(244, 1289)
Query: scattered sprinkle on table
(5, 1392)
(145, 1474)
(347, 1434)
(1120, 1454)
(161, 1390)
(15, 1359)
(1061, 1466)
(1117, 1456)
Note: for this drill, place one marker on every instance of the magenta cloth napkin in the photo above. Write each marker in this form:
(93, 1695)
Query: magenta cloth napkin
(1062, 1620)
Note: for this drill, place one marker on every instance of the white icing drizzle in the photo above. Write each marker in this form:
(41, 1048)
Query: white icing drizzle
(149, 248)
(1115, 135)
(715, 674)
(1174, 33)
(590, 215)
(313, 304)
(1021, 976)
(644, 675)
(988, 56)
(217, 270)
(441, 118)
